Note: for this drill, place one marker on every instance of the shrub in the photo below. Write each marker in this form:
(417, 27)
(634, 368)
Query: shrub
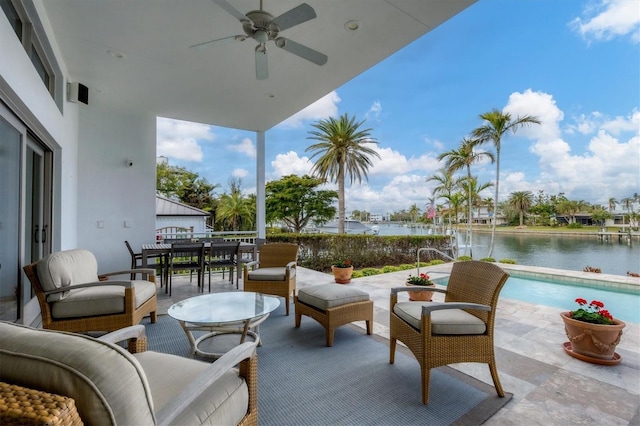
(437, 262)
(367, 272)
(463, 258)
(390, 268)
(487, 259)
(509, 261)
(406, 266)
(574, 225)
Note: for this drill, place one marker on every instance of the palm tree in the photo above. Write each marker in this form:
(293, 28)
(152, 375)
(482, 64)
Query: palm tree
(414, 211)
(342, 152)
(612, 204)
(235, 209)
(464, 157)
(521, 201)
(445, 186)
(497, 125)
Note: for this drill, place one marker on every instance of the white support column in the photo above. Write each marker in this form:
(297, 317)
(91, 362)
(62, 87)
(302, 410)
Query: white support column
(261, 224)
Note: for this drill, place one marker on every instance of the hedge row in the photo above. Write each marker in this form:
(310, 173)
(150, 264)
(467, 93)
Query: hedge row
(319, 251)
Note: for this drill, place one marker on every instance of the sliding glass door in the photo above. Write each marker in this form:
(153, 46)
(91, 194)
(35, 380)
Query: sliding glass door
(25, 210)
(10, 145)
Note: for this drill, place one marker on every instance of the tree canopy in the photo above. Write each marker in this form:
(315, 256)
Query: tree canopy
(296, 200)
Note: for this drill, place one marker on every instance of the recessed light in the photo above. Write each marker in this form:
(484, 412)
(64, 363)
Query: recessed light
(116, 54)
(352, 25)
(270, 95)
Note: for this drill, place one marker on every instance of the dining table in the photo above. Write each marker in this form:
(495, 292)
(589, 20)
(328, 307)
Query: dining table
(163, 249)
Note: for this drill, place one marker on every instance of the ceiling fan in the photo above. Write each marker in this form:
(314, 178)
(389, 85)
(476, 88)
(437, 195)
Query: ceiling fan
(262, 27)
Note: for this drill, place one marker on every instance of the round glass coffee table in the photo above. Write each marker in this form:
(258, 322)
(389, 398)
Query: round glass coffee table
(229, 318)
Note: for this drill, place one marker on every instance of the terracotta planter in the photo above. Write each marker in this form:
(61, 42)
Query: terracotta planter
(593, 342)
(421, 296)
(342, 275)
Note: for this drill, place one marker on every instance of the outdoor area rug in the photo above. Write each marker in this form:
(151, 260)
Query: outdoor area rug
(303, 382)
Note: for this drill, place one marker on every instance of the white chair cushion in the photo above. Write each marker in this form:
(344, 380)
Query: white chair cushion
(106, 382)
(446, 321)
(326, 296)
(225, 402)
(270, 274)
(65, 268)
(102, 300)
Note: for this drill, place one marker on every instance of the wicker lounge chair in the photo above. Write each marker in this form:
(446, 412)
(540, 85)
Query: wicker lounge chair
(459, 330)
(275, 273)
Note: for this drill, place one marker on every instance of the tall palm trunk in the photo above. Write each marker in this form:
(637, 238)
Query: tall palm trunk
(341, 203)
(469, 238)
(495, 202)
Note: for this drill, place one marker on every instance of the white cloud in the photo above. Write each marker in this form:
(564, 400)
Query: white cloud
(240, 173)
(290, 164)
(179, 139)
(610, 19)
(540, 105)
(398, 194)
(245, 146)
(374, 111)
(622, 124)
(609, 167)
(325, 107)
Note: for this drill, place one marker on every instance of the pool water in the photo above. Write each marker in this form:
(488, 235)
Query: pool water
(624, 306)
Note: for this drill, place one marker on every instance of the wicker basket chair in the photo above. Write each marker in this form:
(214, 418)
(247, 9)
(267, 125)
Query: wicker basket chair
(459, 330)
(275, 271)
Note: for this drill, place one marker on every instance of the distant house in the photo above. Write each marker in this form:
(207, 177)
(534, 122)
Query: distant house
(174, 217)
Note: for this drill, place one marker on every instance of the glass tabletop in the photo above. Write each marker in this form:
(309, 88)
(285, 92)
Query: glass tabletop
(220, 308)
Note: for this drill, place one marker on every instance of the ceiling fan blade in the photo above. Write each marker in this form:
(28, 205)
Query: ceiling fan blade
(231, 10)
(295, 16)
(301, 50)
(219, 41)
(262, 66)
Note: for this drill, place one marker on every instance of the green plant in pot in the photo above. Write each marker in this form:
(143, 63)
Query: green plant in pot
(421, 280)
(593, 333)
(342, 270)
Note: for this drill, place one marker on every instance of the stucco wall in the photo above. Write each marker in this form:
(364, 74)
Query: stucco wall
(117, 201)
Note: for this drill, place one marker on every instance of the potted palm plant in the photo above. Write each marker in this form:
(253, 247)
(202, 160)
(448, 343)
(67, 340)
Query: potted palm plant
(593, 333)
(421, 280)
(342, 271)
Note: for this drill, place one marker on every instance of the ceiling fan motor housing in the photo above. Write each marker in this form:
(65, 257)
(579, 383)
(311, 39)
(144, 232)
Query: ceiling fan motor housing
(259, 24)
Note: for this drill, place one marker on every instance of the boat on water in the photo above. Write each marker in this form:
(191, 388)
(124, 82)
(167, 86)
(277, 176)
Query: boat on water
(351, 226)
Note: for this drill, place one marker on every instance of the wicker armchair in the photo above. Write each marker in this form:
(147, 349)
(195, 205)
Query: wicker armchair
(52, 377)
(459, 330)
(74, 298)
(274, 272)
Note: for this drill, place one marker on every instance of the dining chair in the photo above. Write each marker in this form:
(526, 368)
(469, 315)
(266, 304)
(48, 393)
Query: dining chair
(186, 255)
(223, 255)
(137, 257)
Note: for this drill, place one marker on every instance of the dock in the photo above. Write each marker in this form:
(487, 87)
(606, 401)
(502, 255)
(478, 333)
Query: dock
(623, 237)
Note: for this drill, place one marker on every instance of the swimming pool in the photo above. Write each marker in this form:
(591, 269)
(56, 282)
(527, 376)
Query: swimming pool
(623, 304)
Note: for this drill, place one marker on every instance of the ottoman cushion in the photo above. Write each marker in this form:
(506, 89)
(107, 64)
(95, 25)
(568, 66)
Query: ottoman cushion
(326, 296)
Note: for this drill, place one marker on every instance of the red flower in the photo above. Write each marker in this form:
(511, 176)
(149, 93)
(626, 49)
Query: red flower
(593, 313)
(606, 314)
(425, 276)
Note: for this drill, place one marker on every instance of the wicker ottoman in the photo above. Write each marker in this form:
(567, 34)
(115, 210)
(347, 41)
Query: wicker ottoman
(333, 305)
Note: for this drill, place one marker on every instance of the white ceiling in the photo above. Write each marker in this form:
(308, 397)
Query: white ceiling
(161, 75)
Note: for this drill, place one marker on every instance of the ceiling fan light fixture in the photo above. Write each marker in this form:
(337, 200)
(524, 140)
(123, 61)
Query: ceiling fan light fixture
(352, 25)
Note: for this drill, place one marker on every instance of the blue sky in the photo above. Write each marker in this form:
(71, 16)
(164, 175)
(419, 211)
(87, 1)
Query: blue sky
(574, 64)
